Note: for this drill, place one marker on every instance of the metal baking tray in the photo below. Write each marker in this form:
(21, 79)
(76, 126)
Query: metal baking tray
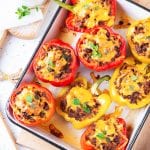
(135, 118)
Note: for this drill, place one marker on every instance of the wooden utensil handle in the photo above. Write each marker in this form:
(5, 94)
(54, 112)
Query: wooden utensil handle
(4, 129)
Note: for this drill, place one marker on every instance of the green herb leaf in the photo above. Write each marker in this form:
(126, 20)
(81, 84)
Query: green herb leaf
(131, 87)
(108, 139)
(23, 11)
(86, 6)
(37, 8)
(51, 64)
(76, 101)
(49, 69)
(95, 50)
(134, 78)
(100, 135)
(85, 108)
(29, 98)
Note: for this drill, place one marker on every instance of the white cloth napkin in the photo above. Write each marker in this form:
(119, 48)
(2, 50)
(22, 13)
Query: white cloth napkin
(8, 17)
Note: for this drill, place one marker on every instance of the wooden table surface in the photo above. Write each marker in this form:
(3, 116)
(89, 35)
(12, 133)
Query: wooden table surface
(145, 3)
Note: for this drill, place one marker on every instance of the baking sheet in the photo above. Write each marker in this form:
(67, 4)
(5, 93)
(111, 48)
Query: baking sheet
(134, 118)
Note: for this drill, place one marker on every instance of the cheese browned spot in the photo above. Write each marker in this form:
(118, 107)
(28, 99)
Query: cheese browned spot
(90, 13)
(31, 105)
(55, 63)
(140, 37)
(105, 134)
(133, 81)
(79, 104)
(99, 49)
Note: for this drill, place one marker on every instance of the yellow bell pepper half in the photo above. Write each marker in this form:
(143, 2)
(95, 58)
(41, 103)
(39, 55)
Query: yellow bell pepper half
(80, 106)
(138, 37)
(130, 84)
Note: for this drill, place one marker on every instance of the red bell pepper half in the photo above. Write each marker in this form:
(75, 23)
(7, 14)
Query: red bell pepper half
(32, 104)
(94, 139)
(101, 49)
(86, 14)
(56, 63)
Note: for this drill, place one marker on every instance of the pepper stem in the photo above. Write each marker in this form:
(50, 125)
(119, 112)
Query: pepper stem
(64, 5)
(94, 88)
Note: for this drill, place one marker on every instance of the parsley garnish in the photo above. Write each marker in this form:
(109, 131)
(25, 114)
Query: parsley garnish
(86, 6)
(23, 11)
(37, 8)
(85, 108)
(51, 64)
(76, 101)
(131, 87)
(95, 50)
(108, 139)
(103, 136)
(100, 135)
(29, 98)
(134, 78)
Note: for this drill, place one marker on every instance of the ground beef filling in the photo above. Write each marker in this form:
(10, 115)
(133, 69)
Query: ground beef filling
(57, 61)
(132, 84)
(98, 55)
(142, 46)
(31, 110)
(108, 145)
(79, 113)
(81, 22)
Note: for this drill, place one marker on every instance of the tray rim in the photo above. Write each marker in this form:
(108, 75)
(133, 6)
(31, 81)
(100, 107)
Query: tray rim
(139, 128)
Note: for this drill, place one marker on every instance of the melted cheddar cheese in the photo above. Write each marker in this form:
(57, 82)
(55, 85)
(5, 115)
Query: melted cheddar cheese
(93, 12)
(100, 48)
(55, 64)
(105, 134)
(140, 37)
(133, 81)
(31, 105)
(79, 103)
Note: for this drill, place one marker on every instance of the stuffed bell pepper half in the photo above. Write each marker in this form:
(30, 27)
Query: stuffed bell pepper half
(80, 104)
(87, 14)
(130, 84)
(138, 36)
(101, 49)
(32, 104)
(56, 63)
(108, 133)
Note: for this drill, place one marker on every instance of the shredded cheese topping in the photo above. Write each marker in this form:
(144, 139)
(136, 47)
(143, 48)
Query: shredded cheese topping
(105, 133)
(133, 81)
(93, 12)
(140, 36)
(55, 63)
(79, 103)
(31, 105)
(99, 48)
